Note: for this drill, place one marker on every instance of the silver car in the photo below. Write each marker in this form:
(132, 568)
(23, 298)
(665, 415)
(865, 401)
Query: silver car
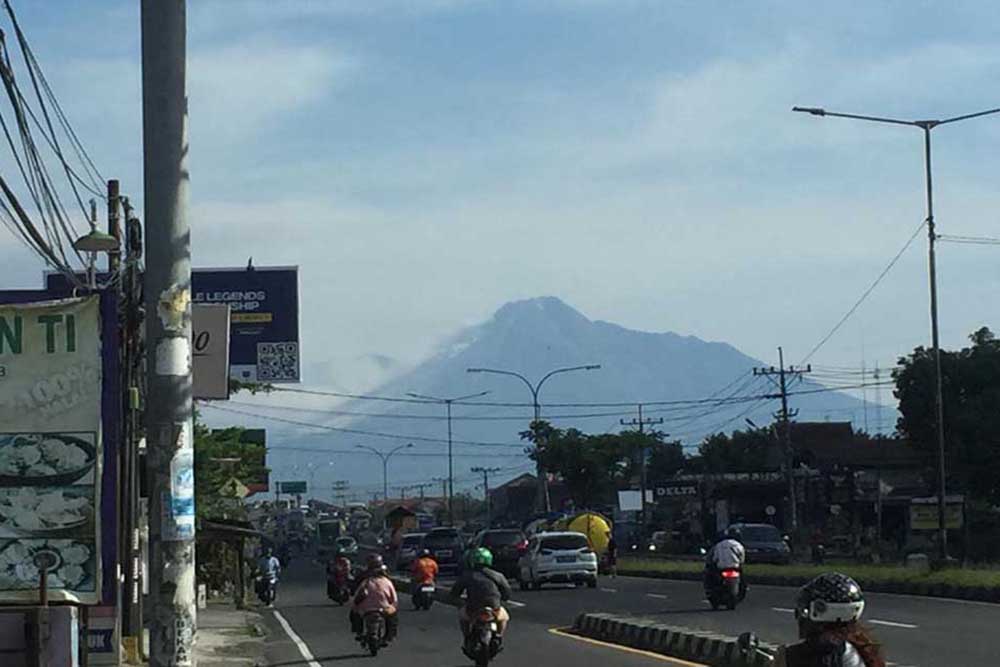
(558, 557)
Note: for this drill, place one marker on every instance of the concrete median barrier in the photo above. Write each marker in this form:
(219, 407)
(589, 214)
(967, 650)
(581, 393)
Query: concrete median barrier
(697, 645)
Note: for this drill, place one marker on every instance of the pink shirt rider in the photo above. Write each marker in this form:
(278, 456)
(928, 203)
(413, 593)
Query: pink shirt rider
(379, 595)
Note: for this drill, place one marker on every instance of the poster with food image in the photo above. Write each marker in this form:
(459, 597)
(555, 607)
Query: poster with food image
(50, 450)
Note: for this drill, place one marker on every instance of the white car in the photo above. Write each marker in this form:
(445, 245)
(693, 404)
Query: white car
(558, 557)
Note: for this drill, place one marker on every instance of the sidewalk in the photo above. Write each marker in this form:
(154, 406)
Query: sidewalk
(228, 637)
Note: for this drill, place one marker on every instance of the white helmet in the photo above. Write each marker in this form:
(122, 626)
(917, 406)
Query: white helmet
(830, 598)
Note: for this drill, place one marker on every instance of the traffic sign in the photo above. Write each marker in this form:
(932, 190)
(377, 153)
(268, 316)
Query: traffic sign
(294, 488)
(234, 488)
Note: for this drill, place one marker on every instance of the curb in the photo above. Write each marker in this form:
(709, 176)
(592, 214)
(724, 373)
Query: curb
(920, 589)
(709, 648)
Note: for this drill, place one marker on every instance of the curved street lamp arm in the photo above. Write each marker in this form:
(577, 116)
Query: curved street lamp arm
(588, 367)
(968, 116)
(438, 399)
(534, 392)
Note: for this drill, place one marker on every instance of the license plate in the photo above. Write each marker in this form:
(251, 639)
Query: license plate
(443, 554)
(427, 589)
(565, 559)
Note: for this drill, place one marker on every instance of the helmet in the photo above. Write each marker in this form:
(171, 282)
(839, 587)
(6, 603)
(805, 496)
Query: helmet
(734, 533)
(374, 563)
(425, 553)
(830, 598)
(482, 557)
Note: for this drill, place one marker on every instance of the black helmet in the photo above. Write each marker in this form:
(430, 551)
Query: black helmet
(374, 563)
(734, 533)
(830, 598)
(425, 553)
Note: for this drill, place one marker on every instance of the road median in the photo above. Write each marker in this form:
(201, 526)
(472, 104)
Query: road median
(708, 648)
(959, 583)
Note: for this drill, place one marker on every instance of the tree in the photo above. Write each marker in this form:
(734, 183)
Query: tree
(666, 459)
(743, 451)
(219, 456)
(971, 391)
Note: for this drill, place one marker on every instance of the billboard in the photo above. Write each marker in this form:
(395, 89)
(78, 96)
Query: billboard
(292, 488)
(264, 319)
(924, 513)
(210, 341)
(51, 449)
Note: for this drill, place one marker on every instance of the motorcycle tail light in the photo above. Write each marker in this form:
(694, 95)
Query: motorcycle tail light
(523, 545)
(730, 574)
(486, 615)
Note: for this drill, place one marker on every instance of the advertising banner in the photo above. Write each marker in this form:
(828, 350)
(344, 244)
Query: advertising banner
(292, 488)
(264, 320)
(210, 339)
(924, 513)
(50, 449)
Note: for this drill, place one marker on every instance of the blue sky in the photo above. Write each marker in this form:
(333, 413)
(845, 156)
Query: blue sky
(425, 162)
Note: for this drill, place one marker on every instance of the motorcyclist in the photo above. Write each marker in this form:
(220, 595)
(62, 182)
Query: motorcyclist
(484, 588)
(828, 610)
(424, 570)
(375, 592)
(338, 572)
(269, 567)
(728, 553)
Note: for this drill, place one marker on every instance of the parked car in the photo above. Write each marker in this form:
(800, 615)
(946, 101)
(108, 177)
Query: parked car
(764, 543)
(558, 557)
(446, 545)
(409, 547)
(347, 546)
(507, 545)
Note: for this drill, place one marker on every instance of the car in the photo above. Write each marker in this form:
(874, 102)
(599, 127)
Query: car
(507, 546)
(408, 549)
(764, 543)
(446, 546)
(346, 546)
(558, 557)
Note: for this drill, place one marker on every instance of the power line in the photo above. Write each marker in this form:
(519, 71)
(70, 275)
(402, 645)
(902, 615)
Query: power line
(864, 295)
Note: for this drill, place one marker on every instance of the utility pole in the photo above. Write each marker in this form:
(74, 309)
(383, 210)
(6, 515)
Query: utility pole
(784, 421)
(444, 486)
(486, 472)
(340, 488)
(641, 424)
(168, 335)
(420, 488)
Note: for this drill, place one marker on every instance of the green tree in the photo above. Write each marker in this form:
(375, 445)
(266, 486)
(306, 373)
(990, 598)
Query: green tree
(743, 451)
(971, 390)
(219, 456)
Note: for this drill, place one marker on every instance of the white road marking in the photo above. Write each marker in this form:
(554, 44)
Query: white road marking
(893, 624)
(301, 645)
(515, 603)
(656, 595)
(610, 590)
(784, 610)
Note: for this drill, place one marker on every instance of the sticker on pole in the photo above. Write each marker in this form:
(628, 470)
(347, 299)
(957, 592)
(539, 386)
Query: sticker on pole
(178, 505)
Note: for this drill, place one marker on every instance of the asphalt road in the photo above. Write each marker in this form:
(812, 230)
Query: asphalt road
(426, 639)
(918, 632)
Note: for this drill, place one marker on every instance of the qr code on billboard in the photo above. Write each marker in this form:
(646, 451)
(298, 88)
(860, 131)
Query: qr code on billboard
(277, 361)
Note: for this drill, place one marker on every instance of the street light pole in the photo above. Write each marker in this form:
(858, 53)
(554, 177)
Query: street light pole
(385, 456)
(543, 500)
(926, 126)
(451, 467)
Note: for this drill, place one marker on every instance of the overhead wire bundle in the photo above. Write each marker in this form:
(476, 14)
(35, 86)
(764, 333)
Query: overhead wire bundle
(49, 231)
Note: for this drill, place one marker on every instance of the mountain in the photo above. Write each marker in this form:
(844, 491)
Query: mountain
(532, 337)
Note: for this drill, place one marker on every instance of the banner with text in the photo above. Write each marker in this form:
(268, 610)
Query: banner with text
(50, 450)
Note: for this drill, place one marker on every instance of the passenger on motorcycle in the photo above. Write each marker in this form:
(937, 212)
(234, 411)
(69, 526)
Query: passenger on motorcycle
(828, 610)
(484, 588)
(375, 592)
(424, 570)
(338, 573)
(727, 554)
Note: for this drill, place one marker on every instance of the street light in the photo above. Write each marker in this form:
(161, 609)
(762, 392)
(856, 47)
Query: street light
(543, 485)
(925, 126)
(385, 456)
(93, 242)
(451, 475)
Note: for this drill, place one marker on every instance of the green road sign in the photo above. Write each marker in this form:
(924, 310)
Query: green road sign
(293, 488)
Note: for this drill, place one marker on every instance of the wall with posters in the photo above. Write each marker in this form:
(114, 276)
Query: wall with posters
(51, 448)
(264, 319)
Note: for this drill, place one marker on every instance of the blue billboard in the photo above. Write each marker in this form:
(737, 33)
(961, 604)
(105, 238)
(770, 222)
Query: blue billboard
(264, 320)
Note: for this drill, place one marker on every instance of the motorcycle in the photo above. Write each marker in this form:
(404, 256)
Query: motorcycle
(338, 590)
(267, 590)
(423, 596)
(482, 642)
(374, 635)
(727, 590)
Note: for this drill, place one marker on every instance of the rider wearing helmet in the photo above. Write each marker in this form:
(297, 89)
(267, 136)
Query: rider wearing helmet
(728, 553)
(375, 592)
(424, 569)
(828, 610)
(484, 588)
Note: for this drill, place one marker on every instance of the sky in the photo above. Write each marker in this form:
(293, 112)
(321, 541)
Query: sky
(425, 162)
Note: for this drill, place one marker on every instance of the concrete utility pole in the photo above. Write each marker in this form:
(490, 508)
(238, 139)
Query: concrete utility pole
(486, 472)
(785, 425)
(168, 335)
(641, 424)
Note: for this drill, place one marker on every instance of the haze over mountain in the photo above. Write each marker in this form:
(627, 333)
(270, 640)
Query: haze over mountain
(532, 337)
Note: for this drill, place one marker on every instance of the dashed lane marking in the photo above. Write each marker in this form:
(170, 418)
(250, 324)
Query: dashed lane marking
(893, 624)
(610, 590)
(626, 649)
(515, 603)
(785, 610)
(658, 596)
(301, 645)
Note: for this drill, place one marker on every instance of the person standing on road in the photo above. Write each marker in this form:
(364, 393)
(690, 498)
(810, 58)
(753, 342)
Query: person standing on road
(612, 555)
(484, 588)
(828, 610)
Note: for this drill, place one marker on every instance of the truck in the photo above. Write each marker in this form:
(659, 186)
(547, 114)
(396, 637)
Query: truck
(328, 530)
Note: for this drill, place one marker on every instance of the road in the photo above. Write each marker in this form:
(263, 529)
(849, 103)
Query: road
(917, 632)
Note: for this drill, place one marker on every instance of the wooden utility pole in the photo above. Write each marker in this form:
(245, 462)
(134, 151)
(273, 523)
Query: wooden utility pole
(486, 472)
(784, 418)
(641, 424)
